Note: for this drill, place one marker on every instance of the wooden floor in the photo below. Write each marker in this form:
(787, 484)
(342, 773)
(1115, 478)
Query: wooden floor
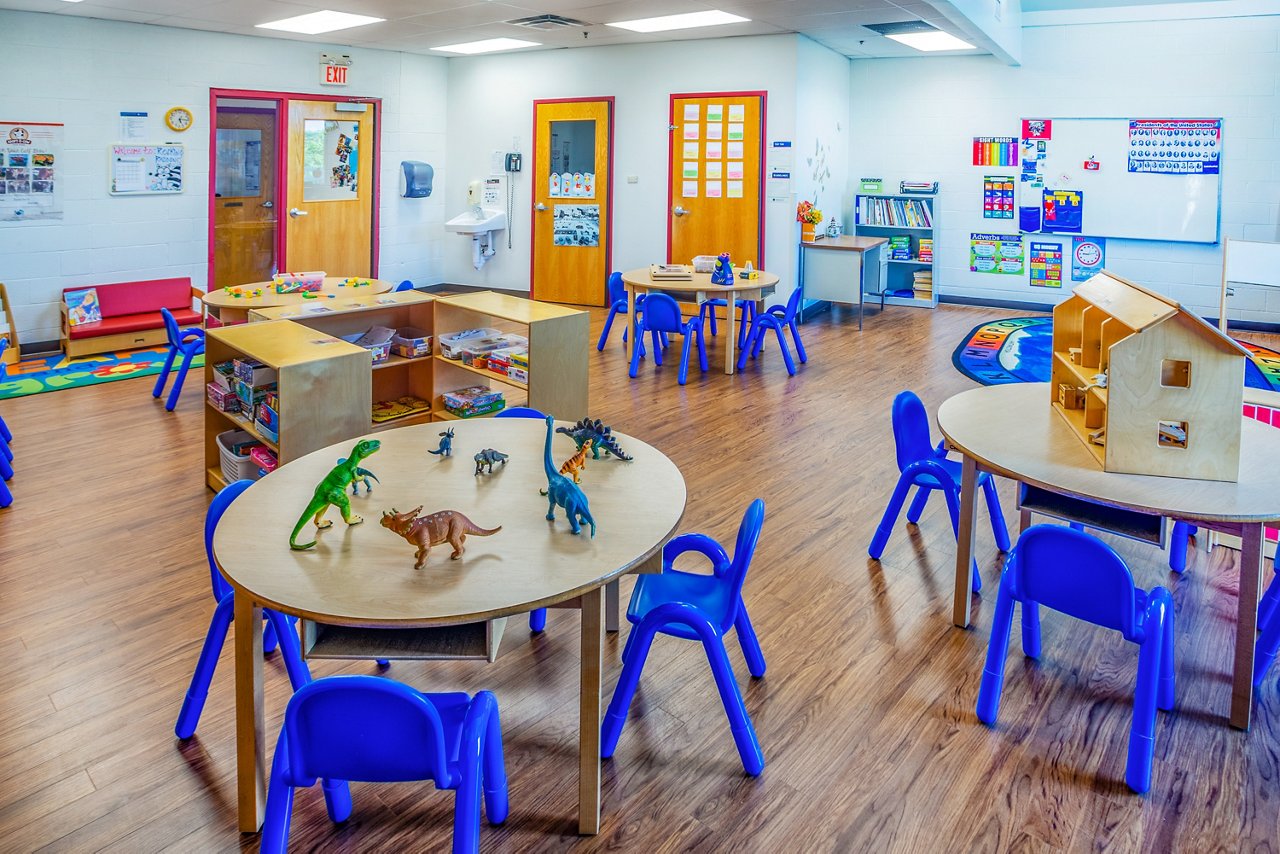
(865, 717)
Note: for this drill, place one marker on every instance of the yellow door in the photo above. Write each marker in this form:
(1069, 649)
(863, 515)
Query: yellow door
(244, 225)
(715, 178)
(572, 192)
(330, 221)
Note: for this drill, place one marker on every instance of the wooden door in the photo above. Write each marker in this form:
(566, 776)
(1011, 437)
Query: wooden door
(715, 177)
(572, 195)
(245, 203)
(331, 159)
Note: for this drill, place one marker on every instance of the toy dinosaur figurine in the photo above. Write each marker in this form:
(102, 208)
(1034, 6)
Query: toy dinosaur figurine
(446, 444)
(443, 526)
(601, 436)
(360, 475)
(564, 492)
(333, 491)
(488, 457)
(575, 464)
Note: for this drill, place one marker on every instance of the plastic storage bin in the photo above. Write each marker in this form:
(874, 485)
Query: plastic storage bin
(234, 466)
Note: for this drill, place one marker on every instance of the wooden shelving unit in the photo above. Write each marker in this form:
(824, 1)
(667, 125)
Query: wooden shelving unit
(870, 221)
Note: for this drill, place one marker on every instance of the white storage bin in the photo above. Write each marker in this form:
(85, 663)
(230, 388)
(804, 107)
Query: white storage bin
(235, 467)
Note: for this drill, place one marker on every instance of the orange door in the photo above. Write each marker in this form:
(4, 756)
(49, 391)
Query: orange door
(331, 158)
(244, 195)
(715, 179)
(572, 193)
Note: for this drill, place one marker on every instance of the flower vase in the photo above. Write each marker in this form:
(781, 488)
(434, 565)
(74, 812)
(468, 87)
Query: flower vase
(808, 232)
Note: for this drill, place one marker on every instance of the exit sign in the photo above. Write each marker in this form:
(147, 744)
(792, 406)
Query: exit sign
(334, 68)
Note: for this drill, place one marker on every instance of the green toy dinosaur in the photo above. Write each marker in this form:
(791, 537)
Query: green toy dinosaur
(333, 491)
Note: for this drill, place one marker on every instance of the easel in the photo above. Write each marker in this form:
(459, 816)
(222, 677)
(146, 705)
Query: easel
(7, 328)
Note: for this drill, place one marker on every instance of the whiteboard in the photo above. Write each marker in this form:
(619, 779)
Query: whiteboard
(1249, 262)
(1117, 202)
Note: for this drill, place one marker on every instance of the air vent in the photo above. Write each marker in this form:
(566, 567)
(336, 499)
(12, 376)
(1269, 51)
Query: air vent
(900, 28)
(546, 22)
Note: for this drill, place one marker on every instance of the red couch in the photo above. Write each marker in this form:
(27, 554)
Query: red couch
(131, 315)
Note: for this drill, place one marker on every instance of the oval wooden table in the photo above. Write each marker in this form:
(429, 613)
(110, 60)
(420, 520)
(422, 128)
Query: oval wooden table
(363, 575)
(1010, 430)
(699, 289)
(232, 309)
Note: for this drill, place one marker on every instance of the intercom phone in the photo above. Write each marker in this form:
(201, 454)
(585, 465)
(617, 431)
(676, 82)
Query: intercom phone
(514, 160)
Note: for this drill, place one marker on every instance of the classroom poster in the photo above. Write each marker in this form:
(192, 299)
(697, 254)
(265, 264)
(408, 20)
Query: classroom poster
(1046, 265)
(1034, 152)
(30, 169)
(145, 169)
(996, 253)
(997, 197)
(1088, 256)
(995, 151)
(1175, 146)
(576, 225)
(1037, 129)
(1063, 211)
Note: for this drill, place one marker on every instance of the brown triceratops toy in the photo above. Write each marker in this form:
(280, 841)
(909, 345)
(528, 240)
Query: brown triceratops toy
(443, 526)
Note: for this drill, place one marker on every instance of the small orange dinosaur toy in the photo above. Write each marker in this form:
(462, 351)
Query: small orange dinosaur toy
(575, 464)
(443, 526)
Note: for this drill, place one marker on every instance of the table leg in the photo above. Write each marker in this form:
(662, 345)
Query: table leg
(612, 599)
(731, 339)
(251, 770)
(631, 323)
(589, 713)
(964, 543)
(1246, 624)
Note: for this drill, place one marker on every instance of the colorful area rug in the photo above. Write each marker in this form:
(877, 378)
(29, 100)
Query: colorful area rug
(56, 373)
(1018, 350)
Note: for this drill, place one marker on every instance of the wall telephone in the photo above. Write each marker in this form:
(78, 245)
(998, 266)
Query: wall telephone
(514, 161)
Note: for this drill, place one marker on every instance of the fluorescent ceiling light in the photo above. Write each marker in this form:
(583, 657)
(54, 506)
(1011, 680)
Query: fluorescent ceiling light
(712, 18)
(487, 46)
(936, 40)
(320, 22)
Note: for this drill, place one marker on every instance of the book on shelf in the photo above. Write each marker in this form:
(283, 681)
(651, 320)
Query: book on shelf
(900, 247)
(902, 213)
(926, 249)
(671, 272)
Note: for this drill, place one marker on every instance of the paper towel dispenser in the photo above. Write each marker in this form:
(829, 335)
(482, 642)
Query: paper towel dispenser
(415, 179)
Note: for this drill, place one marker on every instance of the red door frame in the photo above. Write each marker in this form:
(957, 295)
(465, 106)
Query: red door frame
(671, 156)
(608, 240)
(281, 100)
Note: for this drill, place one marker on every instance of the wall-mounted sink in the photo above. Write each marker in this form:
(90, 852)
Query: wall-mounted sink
(473, 222)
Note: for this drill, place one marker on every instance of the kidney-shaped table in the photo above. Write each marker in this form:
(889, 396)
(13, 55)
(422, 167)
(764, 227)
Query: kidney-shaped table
(235, 309)
(362, 577)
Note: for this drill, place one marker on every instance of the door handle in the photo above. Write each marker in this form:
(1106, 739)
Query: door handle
(539, 207)
(679, 211)
(268, 204)
(296, 212)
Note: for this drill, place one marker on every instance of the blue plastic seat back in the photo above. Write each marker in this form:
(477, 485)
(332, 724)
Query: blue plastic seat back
(520, 412)
(615, 289)
(911, 430)
(793, 305)
(171, 328)
(743, 550)
(406, 285)
(662, 314)
(217, 507)
(1078, 574)
(364, 728)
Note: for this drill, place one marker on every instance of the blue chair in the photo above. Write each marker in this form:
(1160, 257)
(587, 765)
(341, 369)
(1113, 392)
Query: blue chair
(406, 285)
(927, 468)
(777, 318)
(617, 295)
(696, 607)
(377, 730)
(279, 629)
(188, 342)
(1268, 628)
(6, 453)
(1083, 577)
(662, 316)
(746, 309)
(538, 617)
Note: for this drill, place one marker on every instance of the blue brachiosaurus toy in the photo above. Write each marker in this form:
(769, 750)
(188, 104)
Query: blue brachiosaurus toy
(563, 491)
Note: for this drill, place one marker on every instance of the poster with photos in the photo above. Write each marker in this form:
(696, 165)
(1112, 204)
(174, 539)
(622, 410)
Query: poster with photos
(1175, 146)
(30, 166)
(576, 225)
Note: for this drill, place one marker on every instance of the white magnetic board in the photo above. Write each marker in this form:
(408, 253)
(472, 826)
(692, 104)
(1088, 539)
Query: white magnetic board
(1120, 203)
(1252, 263)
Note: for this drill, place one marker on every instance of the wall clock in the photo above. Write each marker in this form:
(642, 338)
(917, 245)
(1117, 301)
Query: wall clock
(178, 119)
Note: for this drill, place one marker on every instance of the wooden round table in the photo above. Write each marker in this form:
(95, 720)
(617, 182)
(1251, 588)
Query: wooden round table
(1011, 430)
(700, 289)
(363, 576)
(232, 309)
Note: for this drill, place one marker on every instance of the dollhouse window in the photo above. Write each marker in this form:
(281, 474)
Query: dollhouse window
(1175, 373)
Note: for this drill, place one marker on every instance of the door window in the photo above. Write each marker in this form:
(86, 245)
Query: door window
(330, 160)
(239, 163)
(572, 160)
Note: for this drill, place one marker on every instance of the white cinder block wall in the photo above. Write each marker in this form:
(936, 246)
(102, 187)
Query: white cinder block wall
(915, 118)
(86, 71)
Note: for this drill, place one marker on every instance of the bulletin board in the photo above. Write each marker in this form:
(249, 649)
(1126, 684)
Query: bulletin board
(145, 170)
(1138, 178)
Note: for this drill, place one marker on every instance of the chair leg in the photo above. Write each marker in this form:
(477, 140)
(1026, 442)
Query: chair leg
(657, 348)
(999, 528)
(638, 646)
(1167, 691)
(538, 620)
(269, 639)
(1030, 628)
(1179, 540)
(164, 372)
(890, 518)
(745, 350)
(916, 510)
(635, 356)
(5, 432)
(1269, 639)
(744, 734)
(750, 643)
(786, 351)
(290, 649)
(684, 358)
(6, 497)
(5, 450)
(496, 803)
(992, 684)
(953, 510)
(1142, 732)
(744, 324)
(702, 350)
(279, 809)
(608, 324)
(177, 383)
(795, 336)
(6, 469)
(1269, 604)
(214, 640)
(711, 310)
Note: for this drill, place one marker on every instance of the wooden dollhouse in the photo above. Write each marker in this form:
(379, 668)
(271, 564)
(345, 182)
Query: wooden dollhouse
(1149, 387)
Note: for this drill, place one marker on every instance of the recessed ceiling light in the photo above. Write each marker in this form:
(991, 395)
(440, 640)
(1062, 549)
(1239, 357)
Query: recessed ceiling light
(711, 18)
(936, 40)
(320, 22)
(487, 46)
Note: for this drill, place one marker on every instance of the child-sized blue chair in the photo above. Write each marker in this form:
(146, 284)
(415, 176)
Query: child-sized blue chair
(702, 608)
(927, 468)
(537, 617)
(746, 309)
(279, 628)
(6, 453)
(377, 730)
(776, 317)
(662, 316)
(1268, 629)
(1083, 577)
(617, 294)
(188, 342)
